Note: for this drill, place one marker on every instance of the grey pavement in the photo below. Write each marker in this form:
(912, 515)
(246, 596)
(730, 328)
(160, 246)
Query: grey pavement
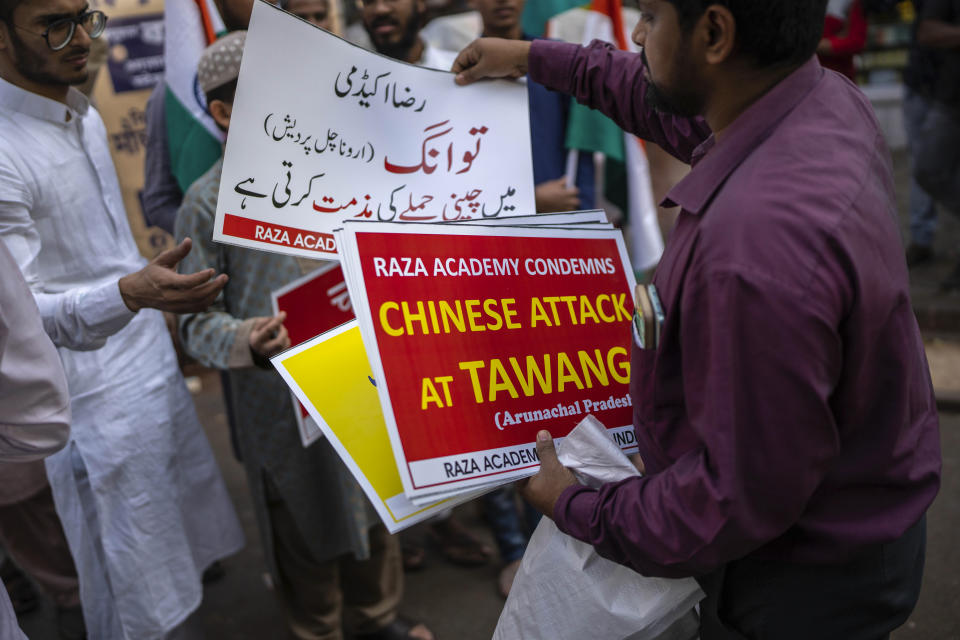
(463, 604)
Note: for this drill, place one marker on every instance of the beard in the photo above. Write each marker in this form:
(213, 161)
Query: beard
(34, 67)
(683, 103)
(400, 49)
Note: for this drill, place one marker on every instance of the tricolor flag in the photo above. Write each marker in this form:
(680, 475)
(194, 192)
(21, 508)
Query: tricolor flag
(536, 14)
(193, 137)
(628, 174)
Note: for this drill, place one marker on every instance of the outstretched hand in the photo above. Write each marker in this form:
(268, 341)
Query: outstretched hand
(491, 58)
(544, 489)
(159, 286)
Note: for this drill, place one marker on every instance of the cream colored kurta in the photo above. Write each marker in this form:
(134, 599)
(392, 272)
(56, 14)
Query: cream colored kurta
(141, 498)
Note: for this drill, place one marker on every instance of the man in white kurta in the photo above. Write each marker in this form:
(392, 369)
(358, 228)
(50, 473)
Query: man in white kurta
(137, 488)
(34, 402)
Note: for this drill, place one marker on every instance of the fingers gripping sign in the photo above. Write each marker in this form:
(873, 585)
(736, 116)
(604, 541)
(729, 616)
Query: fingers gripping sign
(491, 58)
(544, 489)
(268, 336)
(159, 286)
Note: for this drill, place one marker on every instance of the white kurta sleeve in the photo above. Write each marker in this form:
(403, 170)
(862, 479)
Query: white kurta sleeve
(34, 401)
(81, 318)
(8, 619)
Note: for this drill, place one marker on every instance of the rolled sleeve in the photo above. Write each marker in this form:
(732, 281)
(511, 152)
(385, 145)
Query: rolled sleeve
(613, 82)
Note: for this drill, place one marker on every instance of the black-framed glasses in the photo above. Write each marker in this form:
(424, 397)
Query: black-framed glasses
(59, 33)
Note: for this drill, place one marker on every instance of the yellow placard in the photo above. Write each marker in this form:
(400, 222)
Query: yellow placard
(331, 376)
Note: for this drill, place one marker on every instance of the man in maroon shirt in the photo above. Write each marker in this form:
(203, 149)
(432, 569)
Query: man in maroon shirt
(786, 420)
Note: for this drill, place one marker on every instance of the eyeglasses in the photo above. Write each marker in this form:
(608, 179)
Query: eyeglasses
(59, 33)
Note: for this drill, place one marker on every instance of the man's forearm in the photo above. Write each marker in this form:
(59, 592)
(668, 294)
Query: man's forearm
(614, 83)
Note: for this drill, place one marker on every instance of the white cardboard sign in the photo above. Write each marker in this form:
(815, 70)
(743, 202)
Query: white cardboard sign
(323, 131)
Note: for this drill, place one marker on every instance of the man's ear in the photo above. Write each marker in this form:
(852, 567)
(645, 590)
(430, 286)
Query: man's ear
(4, 36)
(720, 33)
(221, 112)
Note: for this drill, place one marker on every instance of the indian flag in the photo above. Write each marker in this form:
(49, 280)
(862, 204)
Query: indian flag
(627, 176)
(538, 13)
(192, 135)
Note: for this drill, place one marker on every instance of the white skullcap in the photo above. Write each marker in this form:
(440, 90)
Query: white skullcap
(220, 62)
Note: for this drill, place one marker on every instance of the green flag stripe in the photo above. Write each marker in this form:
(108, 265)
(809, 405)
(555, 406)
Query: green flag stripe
(538, 12)
(590, 130)
(193, 149)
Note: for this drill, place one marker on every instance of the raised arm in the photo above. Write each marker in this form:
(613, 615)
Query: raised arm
(598, 76)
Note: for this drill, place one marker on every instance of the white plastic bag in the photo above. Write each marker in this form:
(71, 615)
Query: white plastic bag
(563, 589)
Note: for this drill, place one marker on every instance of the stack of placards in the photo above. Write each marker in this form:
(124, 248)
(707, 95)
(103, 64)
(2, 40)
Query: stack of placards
(475, 327)
(470, 338)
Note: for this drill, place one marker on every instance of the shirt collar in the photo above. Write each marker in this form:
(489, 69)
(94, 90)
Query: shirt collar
(713, 163)
(14, 98)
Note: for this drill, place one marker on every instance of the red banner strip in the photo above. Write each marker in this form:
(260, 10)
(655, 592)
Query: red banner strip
(259, 231)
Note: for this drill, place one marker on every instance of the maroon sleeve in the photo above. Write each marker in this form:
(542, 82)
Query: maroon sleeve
(758, 373)
(613, 82)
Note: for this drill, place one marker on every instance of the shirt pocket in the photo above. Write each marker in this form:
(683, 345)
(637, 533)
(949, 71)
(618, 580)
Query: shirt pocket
(643, 392)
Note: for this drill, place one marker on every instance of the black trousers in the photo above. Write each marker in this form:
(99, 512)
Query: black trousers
(863, 599)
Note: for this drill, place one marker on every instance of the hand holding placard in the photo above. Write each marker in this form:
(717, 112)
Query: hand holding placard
(544, 489)
(491, 58)
(268, 336)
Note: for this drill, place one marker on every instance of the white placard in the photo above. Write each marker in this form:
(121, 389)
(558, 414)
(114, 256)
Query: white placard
(323, 131)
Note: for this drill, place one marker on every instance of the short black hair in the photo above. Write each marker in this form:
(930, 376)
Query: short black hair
(773, 33)
(7, 7)
(223, 93)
